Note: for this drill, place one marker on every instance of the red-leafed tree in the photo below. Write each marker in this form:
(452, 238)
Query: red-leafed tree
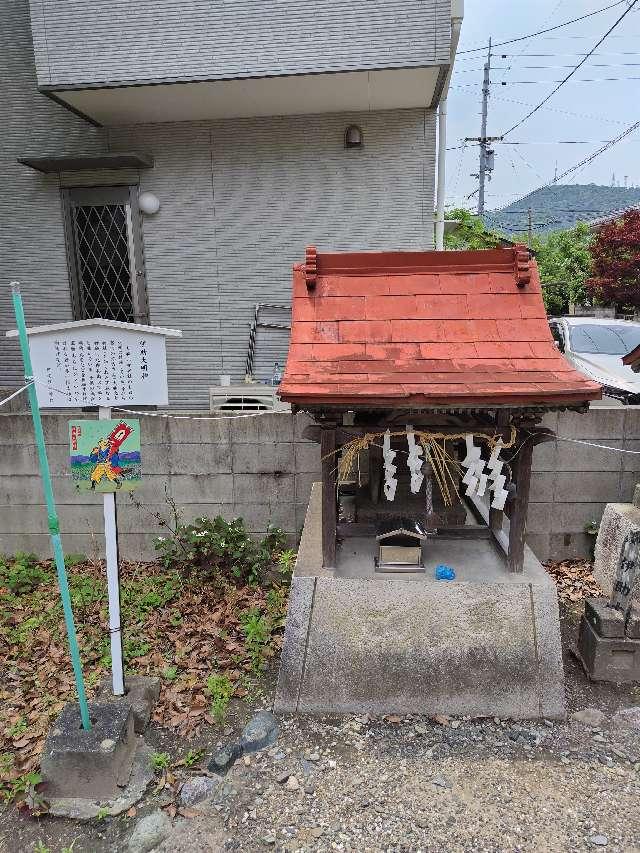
(616, 263)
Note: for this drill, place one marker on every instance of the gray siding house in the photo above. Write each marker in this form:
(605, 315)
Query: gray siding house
(233, 115)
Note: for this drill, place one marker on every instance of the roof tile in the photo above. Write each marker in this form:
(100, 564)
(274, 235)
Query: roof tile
(425, 328)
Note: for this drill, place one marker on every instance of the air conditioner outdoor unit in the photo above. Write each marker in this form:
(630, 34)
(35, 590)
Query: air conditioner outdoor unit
(246, 397)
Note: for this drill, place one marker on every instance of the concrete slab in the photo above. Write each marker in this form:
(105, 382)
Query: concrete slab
(604, 619)
(486, 644)
(92, 764)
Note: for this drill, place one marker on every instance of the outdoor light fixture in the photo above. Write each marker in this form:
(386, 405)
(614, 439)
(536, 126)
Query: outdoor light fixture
(149, 203)
(353, 137)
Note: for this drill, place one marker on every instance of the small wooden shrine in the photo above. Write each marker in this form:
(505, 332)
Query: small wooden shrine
(427, 375)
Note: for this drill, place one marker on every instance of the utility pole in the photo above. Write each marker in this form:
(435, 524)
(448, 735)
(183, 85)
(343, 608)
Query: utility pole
(483, 130)
(486, 152)
(530, 227)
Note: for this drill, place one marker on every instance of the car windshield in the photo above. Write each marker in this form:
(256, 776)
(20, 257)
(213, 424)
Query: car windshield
(616, 339)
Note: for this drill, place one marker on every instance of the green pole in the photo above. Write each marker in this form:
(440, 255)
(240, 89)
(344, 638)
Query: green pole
(54, 525)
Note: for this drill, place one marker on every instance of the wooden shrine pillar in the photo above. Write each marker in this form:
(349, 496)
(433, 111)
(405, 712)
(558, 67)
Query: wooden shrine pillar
(329, 497)
(496, 515)
(521, 471)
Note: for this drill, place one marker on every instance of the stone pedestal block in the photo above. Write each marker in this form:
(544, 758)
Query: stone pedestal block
(141, 692)
(605, 620)
(618, 521)
(608, 658)
(94, 764)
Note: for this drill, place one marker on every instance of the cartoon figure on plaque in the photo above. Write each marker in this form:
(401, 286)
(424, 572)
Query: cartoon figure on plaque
(105, 455)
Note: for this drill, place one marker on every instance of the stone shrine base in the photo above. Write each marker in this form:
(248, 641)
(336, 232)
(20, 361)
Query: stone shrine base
(486, 644)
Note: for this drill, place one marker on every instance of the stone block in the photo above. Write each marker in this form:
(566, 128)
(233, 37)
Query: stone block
(539, 517)
(257, 517)
(92, 764)
(542, 486)
(263, 488)
(300, 422)
(270, 428)
(307, 458)
(399, 646)
(294, 646)
(572, 517)
(263, 458)
(304, 484)
(606, 620)
(570, 546)
(633, 621)
(631, 461)
(583, 457)
(617, 522)
(141, 693)
(199, 459)
(545, 457)
(202, 488)
(608, 659)
(596, 423)
(587, 487)
(199, 432)
(540, 545)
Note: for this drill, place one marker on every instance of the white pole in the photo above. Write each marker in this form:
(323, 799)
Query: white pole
(113, 581)
(441, 173)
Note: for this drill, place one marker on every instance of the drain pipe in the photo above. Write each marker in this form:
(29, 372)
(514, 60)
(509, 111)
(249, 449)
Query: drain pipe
(457, 8)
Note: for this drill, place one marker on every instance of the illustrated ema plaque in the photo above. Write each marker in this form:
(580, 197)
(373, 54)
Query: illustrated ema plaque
(99, 363)
(105, 455)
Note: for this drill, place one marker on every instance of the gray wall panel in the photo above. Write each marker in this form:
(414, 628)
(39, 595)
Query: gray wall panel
(240, 200)
(31, 235)
(92, 42)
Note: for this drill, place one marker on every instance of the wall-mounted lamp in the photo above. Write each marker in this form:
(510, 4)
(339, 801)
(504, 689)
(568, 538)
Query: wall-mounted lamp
(353, 137)
(149, 203)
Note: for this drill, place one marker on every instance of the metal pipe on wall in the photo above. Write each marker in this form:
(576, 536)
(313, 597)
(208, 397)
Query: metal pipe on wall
(457, 9)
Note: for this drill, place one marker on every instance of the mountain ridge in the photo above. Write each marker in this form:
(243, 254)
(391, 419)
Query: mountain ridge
(561, 206)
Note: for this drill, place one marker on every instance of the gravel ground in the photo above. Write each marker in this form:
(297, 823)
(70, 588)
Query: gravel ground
(401, 784)
(416, 785)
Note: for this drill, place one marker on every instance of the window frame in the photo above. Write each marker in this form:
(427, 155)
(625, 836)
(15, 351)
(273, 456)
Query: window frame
(101, 195)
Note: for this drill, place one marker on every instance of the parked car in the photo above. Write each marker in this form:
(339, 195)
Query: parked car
(596, 347)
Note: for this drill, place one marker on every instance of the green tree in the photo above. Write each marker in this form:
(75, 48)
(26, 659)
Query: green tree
(471, 232)
(565, 263)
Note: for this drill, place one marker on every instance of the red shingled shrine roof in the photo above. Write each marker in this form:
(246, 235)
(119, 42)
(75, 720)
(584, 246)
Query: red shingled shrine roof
(423, 329)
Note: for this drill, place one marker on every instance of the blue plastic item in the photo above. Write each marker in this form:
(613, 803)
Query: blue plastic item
(445, 573)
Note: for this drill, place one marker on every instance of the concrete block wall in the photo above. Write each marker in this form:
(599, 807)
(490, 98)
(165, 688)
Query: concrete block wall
(572, 483)
(262, 469)
(258, 468)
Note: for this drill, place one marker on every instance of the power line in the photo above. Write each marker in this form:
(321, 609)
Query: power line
(542, 82)
(541, 32)
(563, 111)
(582, 163)
(573, 71)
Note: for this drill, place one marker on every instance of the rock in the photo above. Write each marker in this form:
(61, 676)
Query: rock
(441, 782)
(224, 758)
(314, 756)
(269, 839)
(149, 832)
(589, 717)
(628, 718)
(292, 784)
(281, 778)
(309, 788)
(198, 788)
(599, 840)
(261, 731)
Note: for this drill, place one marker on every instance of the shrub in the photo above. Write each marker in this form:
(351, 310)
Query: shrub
(220, 548)
(22, 573)
(220, 690)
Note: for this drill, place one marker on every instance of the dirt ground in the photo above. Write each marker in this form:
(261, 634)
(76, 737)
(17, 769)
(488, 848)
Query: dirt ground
(398, 784)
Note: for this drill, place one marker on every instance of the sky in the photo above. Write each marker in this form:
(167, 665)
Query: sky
(585, 112)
